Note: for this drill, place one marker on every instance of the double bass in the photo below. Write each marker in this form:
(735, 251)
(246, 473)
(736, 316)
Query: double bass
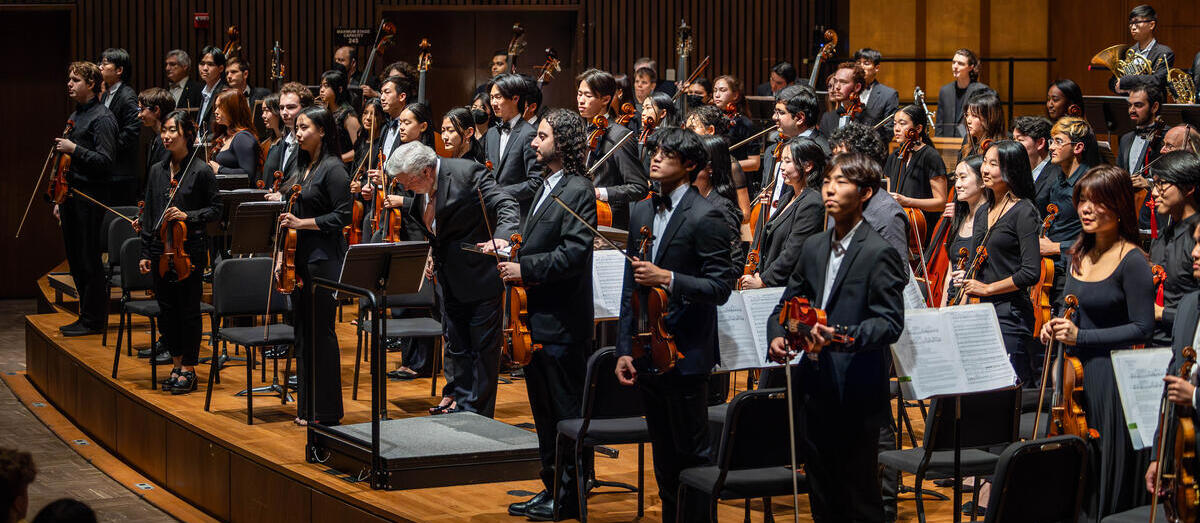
(548, 68)
(234, 45)
(424, 60)
(383, 38)
(516, 46)
(649, 305)
(1177, 464)
(1039, 294)
(825, 52)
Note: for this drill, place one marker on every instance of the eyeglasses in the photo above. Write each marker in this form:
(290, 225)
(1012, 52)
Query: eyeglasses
(1134, 23)
(1160, 186)
(1059, 143)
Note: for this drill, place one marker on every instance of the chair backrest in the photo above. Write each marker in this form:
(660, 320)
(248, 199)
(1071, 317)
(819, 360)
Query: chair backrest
(131, 278)
(107, 220)
(1039, 480)
(756, 431)
(603, 395)
(240, 288)
(989, 419)
(118, 231)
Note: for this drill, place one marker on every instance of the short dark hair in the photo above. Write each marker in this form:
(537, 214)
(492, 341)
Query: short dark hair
(686, 145)
(1181, 168)
(972, 60)
(860, 169)
(872, 55)
(1143, 11)
(785, 70)
(405, 68)
(157, 98)
(646, 71)
(16, 473)
(801, 100)
(601, 83)
(1036, 127)
(710, 115)
(63, 510)
(511, 86)
(353, 51)
(500, 52)
(242, 63)
(1154, 93)
(533, 93)
(859, 138)
(402, 84)
(119, 58)
(218, 56)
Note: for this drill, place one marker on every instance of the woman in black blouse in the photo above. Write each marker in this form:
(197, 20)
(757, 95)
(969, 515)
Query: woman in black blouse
(196, 203)
(984, 119)
(707, 120)
(727, 89)
(715, 183)
(968, 194)
(234, 126)
(373, 117)
(921, 182)
(802, 165)
(335, 96)
(321, 211)
(1007, 225)
(1111, 278)
(458, 135)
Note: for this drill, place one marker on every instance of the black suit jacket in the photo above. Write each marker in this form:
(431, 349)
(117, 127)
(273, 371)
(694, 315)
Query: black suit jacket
(124, 107)
(517, 171)
(466, 276)
(191, 97)
(556, 263)
(623, 176)
(274, 161)
(763, 89)
(204, 115)
(696, 248)
(786, 233)
(949, 120)
(829, 121)
(1184, 330)
(882, 103)
(1043, 185)
(1161, 58)
(866, 299)
(1149, 154)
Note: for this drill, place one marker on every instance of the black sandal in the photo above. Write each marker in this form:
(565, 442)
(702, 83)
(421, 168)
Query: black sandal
(185, 384)
(169, 381)
(444, 409)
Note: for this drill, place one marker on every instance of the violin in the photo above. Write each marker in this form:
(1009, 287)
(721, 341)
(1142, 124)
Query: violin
(961, 296)
(651, 337)
(730, 113)
(424, 59)
(853, 107)
(916, 217)
(1177, 461)
(56, 192)
(985, 145)
(1040, 294)
(938, 260)
(174, 257)
(798, 317)
(233, 46)
(383, 38)
(551, 66)
(759, 215)
(354, 231)
(1066, 410)
(395, 229)
(627, 113)
(217, 144)
(649, 122)
(518, 342)
(285, 250)
(380, 194)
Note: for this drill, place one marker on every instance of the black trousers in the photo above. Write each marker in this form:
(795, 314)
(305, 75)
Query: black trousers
(472, 352)
(554, 380)
(317, 345)
(842, 462)
(180, 324)
(83, 241)
(677, 418)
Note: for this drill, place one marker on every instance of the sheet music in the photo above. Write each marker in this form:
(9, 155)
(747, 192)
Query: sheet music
(980, 346)
(608, 274)
(1139, 374)
(951, 350)
(742, 328)
(914, 298)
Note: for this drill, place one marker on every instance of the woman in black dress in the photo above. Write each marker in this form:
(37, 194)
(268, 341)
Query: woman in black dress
(196, 203)
(921, 181)
(458, 135)
(727, 90)
(1111, 278)
(968, 194)
(321, 210)
(335, 96)
(233, 125)
(707, 120)
(374, 120)
(802, 165)
(1007, 225)
(715, 183)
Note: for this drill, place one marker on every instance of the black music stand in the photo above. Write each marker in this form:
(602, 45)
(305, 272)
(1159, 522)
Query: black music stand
(230, 200)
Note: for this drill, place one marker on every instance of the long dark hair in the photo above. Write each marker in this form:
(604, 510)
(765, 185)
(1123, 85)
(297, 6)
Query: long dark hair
(341, 91)
(721, 175)
(805, 149)
(323, 118)
(1015, 170)
(423, 114)
(461, 119)
(962, 209)
(1108, 186)
(986, 104)
(570, 140)
(187, 126)
(662, 102)
(1071, 92)
(919, 117)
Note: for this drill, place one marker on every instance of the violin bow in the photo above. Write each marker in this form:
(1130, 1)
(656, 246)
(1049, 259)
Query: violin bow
(593, 229)
(487, 225)
(78, 192)
(752, 138)
(592, 170)
(175, 189)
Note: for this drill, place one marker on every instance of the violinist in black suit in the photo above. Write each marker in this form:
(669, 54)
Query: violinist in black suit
(622, 179)
(1142, 22)
(802, 166)
(952, 97)
(293, 97)
(182, 87)
(212, 72)
(1138, 148)
(554, 266)
(848, 84)
(880, 101)
(514, 162)
(120, 98)
(855, 276)
(689, 259)
(448, 211)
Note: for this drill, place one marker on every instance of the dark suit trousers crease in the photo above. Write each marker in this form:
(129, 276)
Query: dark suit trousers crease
(83, 240)
(842, 464)
(554, 381)
(179, 322)
(472, 352)
(319, 349)
(677, 418)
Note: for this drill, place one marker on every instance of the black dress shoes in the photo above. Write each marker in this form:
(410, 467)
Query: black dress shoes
(522, 508)
(77, 329)
(545, 512)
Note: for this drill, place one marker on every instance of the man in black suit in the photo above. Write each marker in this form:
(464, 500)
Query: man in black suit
(1033, 132)
(782, 75)
(120, 98)
(181, 86)
(514, 162)
(848, 84)
(880, 101)
(796, 109)
(212, 72)
(449, 213)
(851, 273)
(621, 180)
(690, 260)
(237, 76)
(394, 94)
(952, 97)
(293, 97)
(555, 268)
(1138, 148)
(1142, 22)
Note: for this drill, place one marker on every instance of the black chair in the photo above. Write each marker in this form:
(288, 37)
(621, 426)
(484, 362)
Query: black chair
(1040, 481)
(1137, 515)
(611, 415)
(988, 420)
(117, 231)
(239, 290)
(416, 327)
(753, 459)
(132, 280)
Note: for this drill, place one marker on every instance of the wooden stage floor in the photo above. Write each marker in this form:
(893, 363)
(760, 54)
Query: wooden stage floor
(239, 472)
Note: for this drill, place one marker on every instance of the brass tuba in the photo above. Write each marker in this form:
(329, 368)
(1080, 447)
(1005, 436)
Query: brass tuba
(1122, 60)
(1181, 85)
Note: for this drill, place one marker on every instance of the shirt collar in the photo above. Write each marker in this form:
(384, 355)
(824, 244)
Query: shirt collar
(182, 83)
(112, 89)
(845, 241)
(553, 179)
(208, 91)
(513, 122)
(807, 132)
(1037, 169)
(677, 195)
(290, 139)
(1149, 46)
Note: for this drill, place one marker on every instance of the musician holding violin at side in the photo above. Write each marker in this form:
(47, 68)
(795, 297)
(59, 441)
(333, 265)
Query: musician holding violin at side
(1007, 227)
(555, 268)
(195, 203)
(802, 166)
(856, 277)
(321, 211)
(917, 178)
(458, 135)
(1110, 276)
(621, 180)
(968, 194)
(1176, 180)
(688, 258)
(235, 146)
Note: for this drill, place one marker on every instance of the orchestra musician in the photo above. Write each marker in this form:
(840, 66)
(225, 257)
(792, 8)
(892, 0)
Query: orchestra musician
(178, 66)
(1063, 98)
(920, 182)
(644, 80)
(497, 66)
(91, 144)
(953, 96)
(983, 119)
(850, 272)
(1141, 146)
(968, 194)
(481, 110)
(212, 72)
(534, 110)
(663, 86)
(293, 97)
(195, 202)
(237, 75)
(1072, 151)
(879, 101)
(796, 115)
(622, 179)
(1143, 20)
(458, 135)
(234, 127)
(1176, 178)
(699, 92)
(154, 104)
(707, 120)
(555, 262)
(846, 91)
(403, 69)
(514, 162)
(802, 165)
(272, 123)
(334, 95)
(1111, 277)
(120, 98)
(1033, 132)
(446, 208)
(782, 75)
(716, 183)
(727, 91)
(1182, 137)
(881, 211)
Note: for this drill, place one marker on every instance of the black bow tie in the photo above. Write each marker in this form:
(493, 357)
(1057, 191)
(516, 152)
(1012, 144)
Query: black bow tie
(504, 126)
(1144, 132)
(661, 201)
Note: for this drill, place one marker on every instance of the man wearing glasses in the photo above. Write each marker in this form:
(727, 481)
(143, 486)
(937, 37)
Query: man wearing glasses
(1069, 141)
(1142, 20)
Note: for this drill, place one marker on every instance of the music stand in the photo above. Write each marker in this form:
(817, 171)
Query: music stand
(231, 182)
(253, 227)
(230, 200)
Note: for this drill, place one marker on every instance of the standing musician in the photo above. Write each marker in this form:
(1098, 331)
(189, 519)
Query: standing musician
(272, 124)
(622, 179)
(195, 202)
(555, 268)
(881, 210)
(644, 80)
(1142, 22)
(968, 194)
(1176, 180)
(920, 182)
(400, 68)
(233, 127)
(458, 135)
(534, 109)
(154, 104)
(727, 93)
(795, 113)
(1182, 137)
(335, 96)
(782, 75)
(178, 66)
(848, 84)
(983, 121)
(716, 183)
(689, 259)
(802, 166)
(850, 272)
(514, 162)
(374, 120)
(321, 211)
(952, 96)
(707, 120)
(414, 124)
(497, 66)
(91, 144)
(120, 98)
(394, 94)
(212, 72)
(879, 101)
(1072, 151)
(1111, 278)
(447, 211)
(1139, 147)
(237, 75)
(1033, 132)
(1063, 98)
(293, 97)
(1007, 226)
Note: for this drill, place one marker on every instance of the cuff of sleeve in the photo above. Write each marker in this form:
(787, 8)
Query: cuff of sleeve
(603, 193)
(671, 284)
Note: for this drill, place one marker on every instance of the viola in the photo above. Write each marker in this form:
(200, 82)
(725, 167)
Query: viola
(1066, 410)
(285, 249)
(380, 195)
(603, 209)
(759, 215)
(649, 123)
(651, 337)
(853, 107)
(798, 317)
(1040, 294)
(137, 222)
(518, 341)
(217, 144)
(354, 231)
(1177, 463)
(173, 234)
(56, 192)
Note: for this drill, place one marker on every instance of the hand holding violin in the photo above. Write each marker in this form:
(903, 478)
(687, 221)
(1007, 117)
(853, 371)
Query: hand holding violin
(291, 221)
(510, 272)
(1061, 330)
(976, 288)
(144, 266)
(64, 145)
(650, 275)
(750, 281)
(173, 213)
(1179, 390)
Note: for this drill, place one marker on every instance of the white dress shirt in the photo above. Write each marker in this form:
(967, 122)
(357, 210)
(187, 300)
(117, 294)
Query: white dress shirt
(505, 134)
(108, 94)
(551, 182)
(661, 218)
(836, 254)
(290, 145)
(176, 89)
(1037, 169)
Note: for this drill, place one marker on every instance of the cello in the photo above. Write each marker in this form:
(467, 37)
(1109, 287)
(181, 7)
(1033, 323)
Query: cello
(649, 304)
(383, 38)
(354, 231)
(234, 45)
(1039, 294)
(424, 60)
(1177, 464)
(937, 262)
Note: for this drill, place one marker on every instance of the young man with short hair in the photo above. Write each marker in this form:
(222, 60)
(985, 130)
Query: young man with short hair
(154, 104)
(621, 180)
(880, 101)
(848, 83)
(120, 98)
(212, 72)
(514, 162)
(1143, 20)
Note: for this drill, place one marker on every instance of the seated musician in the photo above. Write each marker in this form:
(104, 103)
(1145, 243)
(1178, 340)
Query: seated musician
(919, 181)
(1176, 179)
(848, 84)
(850, 272)
(1143, 20)
(689, 259)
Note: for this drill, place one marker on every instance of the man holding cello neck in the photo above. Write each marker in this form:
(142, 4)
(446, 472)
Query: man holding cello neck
(554, 265)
